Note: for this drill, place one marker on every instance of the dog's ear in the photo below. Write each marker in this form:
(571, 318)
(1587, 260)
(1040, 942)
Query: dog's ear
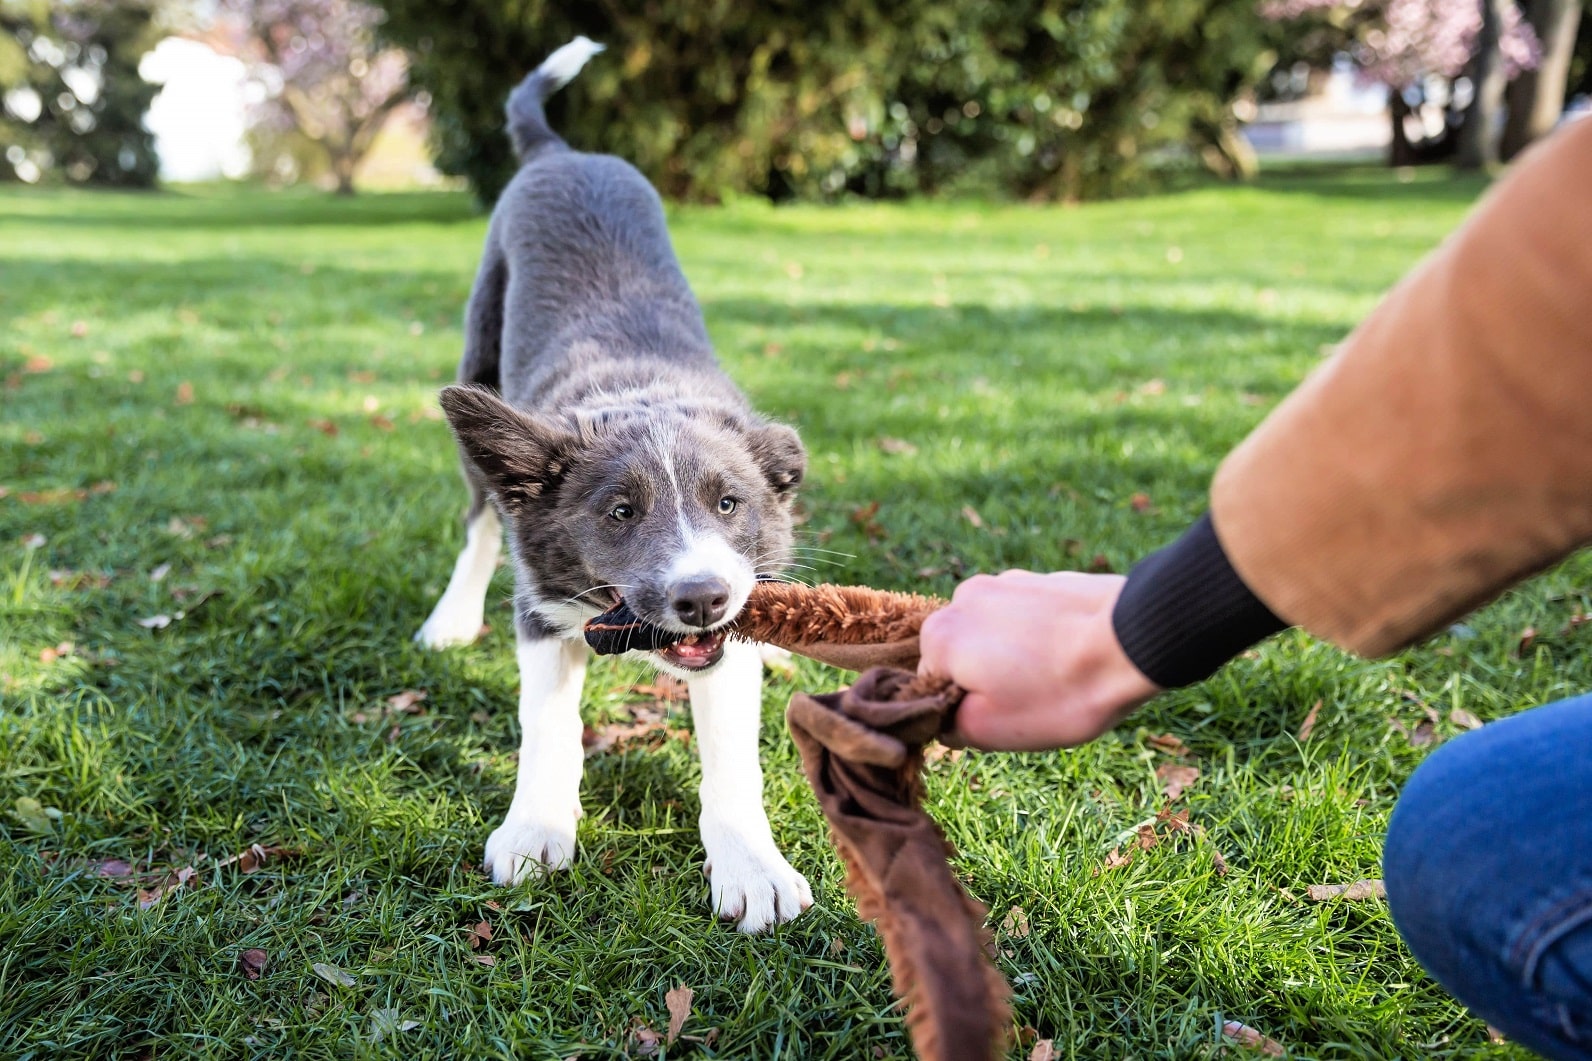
(520, 457)
(778, 451)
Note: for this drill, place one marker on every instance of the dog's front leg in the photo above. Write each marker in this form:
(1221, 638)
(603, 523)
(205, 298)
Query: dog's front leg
(752, 884)
(539, 829)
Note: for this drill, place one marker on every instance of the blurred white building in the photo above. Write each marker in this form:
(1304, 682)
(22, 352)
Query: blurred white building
(198, 117)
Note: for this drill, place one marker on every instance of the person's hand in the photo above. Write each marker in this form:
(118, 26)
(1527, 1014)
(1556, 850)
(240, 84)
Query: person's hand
(1038, 657)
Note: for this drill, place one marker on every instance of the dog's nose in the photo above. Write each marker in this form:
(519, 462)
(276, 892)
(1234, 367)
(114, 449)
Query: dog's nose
(700, 601)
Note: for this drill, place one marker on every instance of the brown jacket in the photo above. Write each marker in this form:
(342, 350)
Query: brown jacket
(1445, 451)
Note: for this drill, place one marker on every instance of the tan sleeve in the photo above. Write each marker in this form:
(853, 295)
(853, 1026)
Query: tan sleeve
(1445, 451)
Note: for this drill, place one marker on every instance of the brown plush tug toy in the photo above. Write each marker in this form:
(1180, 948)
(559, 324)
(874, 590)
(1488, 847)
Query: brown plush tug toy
(862, 751)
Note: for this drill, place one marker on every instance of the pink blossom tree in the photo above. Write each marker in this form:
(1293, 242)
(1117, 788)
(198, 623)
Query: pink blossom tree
(1408, 45)
(326, 74)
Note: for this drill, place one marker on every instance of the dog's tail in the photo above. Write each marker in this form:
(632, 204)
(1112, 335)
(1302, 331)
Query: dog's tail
(528, 128)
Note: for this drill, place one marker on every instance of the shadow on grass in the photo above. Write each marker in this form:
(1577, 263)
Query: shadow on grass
(225, 208)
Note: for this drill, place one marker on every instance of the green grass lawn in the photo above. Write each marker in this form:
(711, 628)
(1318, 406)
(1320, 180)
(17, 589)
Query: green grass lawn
(219, 408)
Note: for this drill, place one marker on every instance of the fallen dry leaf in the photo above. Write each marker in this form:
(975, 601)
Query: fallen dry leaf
(480, 932)
(647, 1040)
(665, 688)
(679, 1002)
(255, 856)
(863, 517)
(333, 975)
(1218, 862)
(1015, 923)
(406, 702)
(1248, 1037)
(898, 447)
(1527, 636)
(385, 1022)
(1464, 719)
(1115, 859)
(381, 423)
(1360, 889)
(970, 514)
(115, 869)
(1309, 724)
(1423, 734)
(173, 881)
(1166, 742)
(1140, 502)
(185, 393)
(484, 959)
(252, 963)
(61, 651)
(1044, 1050)
(1148, 837)
(1174, 778)
(325, 427)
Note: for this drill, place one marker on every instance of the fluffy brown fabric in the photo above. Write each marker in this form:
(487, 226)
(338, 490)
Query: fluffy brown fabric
(850, 627)
(862, 751)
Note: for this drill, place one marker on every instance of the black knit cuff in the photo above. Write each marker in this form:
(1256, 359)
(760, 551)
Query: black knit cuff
(1184, 611)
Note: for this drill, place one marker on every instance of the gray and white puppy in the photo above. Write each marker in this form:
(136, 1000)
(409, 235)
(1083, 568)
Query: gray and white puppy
(596, 426)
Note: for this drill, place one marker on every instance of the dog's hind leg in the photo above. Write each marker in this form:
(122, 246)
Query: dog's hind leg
(751, 882)
(539, 830)
(456, 620)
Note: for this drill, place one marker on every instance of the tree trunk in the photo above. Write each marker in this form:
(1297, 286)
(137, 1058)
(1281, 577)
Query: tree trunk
(1478, 137)
(1536, 98)
(343, 169)
(1399, 152)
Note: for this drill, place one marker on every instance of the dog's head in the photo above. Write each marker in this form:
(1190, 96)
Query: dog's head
(677, 514)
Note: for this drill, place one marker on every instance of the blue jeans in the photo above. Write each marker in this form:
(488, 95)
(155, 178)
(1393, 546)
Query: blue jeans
(1488, 866)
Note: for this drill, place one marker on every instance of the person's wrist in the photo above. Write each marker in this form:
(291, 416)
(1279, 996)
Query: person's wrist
(1119, 686)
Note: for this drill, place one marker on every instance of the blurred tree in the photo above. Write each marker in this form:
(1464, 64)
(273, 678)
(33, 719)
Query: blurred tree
(1041, 98)
(74, 103)
(328, 80)
(1536, 97)
(1418, 49)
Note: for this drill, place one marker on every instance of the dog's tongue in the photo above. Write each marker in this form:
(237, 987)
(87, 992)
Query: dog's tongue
(694, 648)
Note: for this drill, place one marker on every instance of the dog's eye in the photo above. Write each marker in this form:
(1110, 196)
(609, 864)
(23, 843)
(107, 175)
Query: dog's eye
(727, 505)
(622, 513)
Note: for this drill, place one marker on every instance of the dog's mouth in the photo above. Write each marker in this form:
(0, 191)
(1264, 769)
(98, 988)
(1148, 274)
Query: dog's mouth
(621, 630)
(694, 652)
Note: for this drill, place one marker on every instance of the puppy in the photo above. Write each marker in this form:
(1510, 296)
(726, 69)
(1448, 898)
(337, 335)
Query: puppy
(597, 429)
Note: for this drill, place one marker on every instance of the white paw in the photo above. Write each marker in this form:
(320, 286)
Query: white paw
(449, 626)
(756, 889)
(520, 848)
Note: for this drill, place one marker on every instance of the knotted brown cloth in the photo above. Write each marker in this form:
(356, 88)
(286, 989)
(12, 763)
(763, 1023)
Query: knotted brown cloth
(862, 751)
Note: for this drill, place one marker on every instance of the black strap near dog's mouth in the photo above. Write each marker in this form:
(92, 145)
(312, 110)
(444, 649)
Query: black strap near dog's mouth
(620, 630)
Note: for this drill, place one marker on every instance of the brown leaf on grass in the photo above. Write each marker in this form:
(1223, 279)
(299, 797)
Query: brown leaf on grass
(665, 688)
(1174, 778)
(36, 364)
(1015, 923)
(1464, 719)
(114, 869)
(1168, 743)
(1101, 564)
(679, 1002)
(480, 932)
(61, 651)
(1139, 502)
(148, 897)
(185, 527)
(1147, 837)
(1423, 734)
(381, 423)
(1527, 636)
(899, 447)
(74, 580)
(325, 427)
(1218, 862)
(1360, 889)
(1151, 387)
(933, 753)
(1044, 1050)
(1114, 859)
(252, 962)
(970, 514)
(1249, 1038)
(484, 959)
(648, 1042)
(864, 517)
(185, 393)
(407, 702)
(255, 856)
(78, 329)
(1309, 724)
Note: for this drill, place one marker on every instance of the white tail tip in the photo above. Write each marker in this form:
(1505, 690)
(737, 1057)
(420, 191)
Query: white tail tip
(561, 67)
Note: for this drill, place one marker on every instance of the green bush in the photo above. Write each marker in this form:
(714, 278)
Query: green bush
(75, 102)
(1037, 98)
